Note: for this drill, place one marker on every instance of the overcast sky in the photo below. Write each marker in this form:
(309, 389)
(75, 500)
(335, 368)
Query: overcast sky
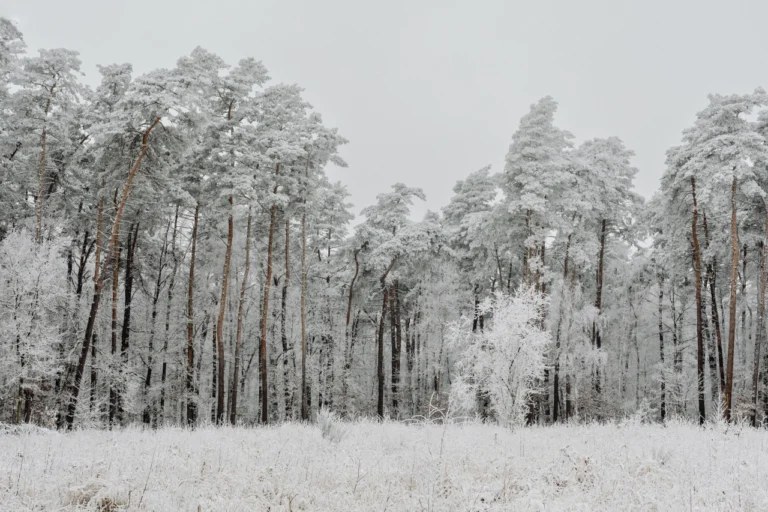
(428, 91)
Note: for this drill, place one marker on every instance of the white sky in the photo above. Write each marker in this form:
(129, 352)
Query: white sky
(428, 91)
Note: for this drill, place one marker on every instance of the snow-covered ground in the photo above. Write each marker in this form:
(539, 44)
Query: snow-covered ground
(388, 467)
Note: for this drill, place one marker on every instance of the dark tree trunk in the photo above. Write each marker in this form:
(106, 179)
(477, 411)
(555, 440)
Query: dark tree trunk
(169, 301)
(113, 393)
(220, 324)
(191, 398)
(239, 332)
(125, 333)
(712, 278)
(699, 304)
(288, 389)
(556, 377)
(380, 341)
(394, 351)
(760, 336)
(732, 311)
(663, 396)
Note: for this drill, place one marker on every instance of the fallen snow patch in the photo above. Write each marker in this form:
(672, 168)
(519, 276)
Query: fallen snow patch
(390, 467)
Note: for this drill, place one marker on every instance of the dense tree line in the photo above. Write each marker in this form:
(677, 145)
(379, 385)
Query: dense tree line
(172, 252)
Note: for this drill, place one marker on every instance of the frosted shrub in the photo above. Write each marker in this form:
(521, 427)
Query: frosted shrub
(504, 362)
(330, 425)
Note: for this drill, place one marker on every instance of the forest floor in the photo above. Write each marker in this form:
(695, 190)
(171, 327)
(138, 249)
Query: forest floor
(390, 466)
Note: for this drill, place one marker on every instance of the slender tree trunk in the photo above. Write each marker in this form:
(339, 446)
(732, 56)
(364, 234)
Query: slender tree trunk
(699, 304)
(287, 389)
(712, 278)
(596, 340)
(304, 390)
(527, 251)
(380, 341)
(393, 352)
(125, 333)
(169, 301)
(191, 398)
(99, 282)
(732, 312)
(347, 340)
(94, 372)
(116, 250)
(220, 324)
(239, 335)
(556, 377)
(663, 396)
(760, 336)
(150, 407)
(744, 306)
(264, 317)
(41, 169)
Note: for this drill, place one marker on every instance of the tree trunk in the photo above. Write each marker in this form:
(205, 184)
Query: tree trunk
(347, 340)
(239, 332)
(732, 312)
(220, 323)
(712, 278)
(380, 341)
(287, 388)
(759, 337)
(663, 396)
(94, 372)
(133, 236)
(596, 340)
(41, 169)
(556, 376)
(149, 407)
(191, 400)
(699, 304)
(169, 301)
(116, 250)
(264, 317)
(304, 391)
(99, 282)
(744, 306)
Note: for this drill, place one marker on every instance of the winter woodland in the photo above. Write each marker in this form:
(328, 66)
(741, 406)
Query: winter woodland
(172, 253)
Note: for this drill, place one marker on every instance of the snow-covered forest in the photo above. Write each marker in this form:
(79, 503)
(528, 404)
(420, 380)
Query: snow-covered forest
(172, 253)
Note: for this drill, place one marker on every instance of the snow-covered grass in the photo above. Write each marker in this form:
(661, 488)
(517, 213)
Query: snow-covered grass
(389, 466)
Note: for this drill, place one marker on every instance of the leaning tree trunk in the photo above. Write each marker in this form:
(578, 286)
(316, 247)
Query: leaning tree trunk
(760, 336)
(732, 312)
(220, 323)
(239, 331)
(191, 400)
(699, 304)
(99, 282)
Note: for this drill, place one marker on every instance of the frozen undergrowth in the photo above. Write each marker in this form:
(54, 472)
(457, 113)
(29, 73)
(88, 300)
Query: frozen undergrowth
(389, 467)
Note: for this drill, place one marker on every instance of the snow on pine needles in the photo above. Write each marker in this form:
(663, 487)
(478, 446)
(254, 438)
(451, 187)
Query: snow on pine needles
(390, 466)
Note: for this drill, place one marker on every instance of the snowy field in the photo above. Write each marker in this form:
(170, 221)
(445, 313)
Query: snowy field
(388, 467)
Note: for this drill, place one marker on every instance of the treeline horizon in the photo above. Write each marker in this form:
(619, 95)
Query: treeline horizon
(172, 253)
